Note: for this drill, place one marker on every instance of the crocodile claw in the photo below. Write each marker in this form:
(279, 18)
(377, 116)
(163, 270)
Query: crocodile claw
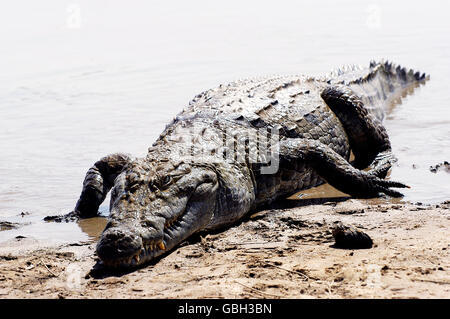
(384, 186)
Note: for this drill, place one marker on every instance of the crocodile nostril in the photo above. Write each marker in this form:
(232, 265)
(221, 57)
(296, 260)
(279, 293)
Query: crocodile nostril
(118, 243)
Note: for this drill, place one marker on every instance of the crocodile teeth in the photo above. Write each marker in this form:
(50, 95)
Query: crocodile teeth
(161, 245)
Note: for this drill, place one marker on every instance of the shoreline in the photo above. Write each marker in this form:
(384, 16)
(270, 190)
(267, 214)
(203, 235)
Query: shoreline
(283, 252)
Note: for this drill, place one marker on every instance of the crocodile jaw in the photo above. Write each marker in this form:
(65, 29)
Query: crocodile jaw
(129, 249)
(138, 233)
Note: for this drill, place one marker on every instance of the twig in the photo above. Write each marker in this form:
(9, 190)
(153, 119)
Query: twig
(432, 281)
(290, 271)
(257, 291)
(47, 268)
(197, 266)
(257, 243)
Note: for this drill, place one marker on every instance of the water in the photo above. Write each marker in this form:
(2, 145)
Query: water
(83, 79)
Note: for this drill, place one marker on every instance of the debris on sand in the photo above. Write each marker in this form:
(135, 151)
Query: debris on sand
(440, 167)
(350, 207)
(350, 237)
(4, 225)
(70, 217)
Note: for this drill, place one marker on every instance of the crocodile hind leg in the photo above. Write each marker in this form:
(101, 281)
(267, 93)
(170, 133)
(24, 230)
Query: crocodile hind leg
(368, 138)
(97, 183)
(334, 169)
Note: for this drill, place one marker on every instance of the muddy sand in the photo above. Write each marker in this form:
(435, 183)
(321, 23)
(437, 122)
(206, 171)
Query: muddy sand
(283, 252)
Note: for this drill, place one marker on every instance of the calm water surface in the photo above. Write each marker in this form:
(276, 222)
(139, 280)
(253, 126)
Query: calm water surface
(84, 79)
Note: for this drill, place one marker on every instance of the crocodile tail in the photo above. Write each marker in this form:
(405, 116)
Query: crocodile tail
(393, 81)
(384, 84)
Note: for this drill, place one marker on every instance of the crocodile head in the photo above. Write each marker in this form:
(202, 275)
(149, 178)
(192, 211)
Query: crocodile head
(154, 206)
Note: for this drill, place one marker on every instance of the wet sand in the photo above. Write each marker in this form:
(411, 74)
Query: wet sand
(283, 252)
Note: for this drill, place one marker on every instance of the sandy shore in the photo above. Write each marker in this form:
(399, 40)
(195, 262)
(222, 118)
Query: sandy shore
(284, 252)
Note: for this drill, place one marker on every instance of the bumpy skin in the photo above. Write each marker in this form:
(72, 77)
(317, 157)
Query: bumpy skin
(189, 182)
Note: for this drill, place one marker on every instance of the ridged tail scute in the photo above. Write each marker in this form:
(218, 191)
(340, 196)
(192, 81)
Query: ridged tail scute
(394, 73)
(381, 85)
(403, 73)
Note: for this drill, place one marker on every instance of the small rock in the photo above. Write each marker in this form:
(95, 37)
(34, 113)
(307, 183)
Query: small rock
(8, 257)
(67, 254)
(137, 289)
(350, 237)
(350, 207)
(70, 217)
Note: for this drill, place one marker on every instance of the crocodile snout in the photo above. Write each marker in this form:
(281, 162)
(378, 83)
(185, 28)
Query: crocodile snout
(122, 246)
(119, 246)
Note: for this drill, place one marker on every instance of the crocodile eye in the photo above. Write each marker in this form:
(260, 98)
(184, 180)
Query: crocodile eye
(166, 180)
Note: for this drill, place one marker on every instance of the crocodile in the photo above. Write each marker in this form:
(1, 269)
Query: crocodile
(243, 145)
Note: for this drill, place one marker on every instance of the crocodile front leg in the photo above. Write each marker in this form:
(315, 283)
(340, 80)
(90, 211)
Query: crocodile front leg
(97, 183)
(334, 169)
